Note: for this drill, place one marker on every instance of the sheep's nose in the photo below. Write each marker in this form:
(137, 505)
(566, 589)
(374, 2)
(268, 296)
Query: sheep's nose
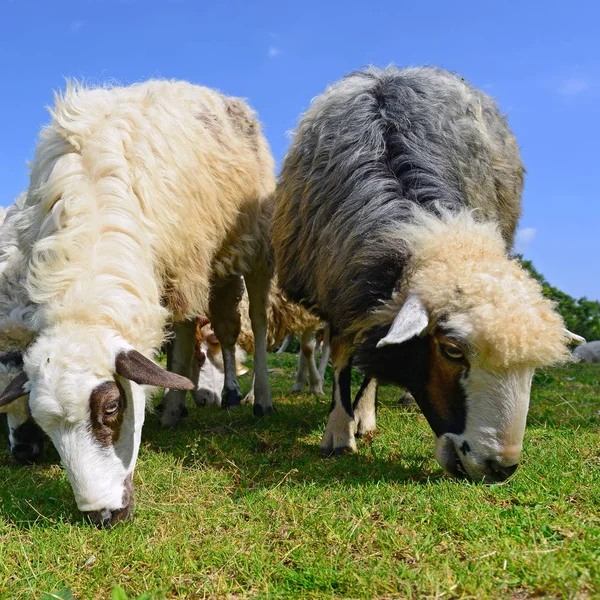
(106, 518)
(497, 472)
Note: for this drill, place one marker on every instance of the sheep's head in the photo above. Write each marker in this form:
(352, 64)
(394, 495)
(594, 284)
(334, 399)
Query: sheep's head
(85, 393)
(465, 334)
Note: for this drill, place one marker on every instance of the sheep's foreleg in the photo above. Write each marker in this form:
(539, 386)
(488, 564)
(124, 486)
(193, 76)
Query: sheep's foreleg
(308, 343)
(284, 344)
(365, 407)
(179, 359)
(225, 320)
(339, 433)
(258, 284)
(324, 353)
(301, 374)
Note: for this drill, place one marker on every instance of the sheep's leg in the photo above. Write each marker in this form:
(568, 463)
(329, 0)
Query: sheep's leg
(257, 284)
(179, 359)
(225, 320)
(284, 344)
(308, 342)
(301, 375)
(249, 399)
(324, 354)
(339, 433)
(365, 407)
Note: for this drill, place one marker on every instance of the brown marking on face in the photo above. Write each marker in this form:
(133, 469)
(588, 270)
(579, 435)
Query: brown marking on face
(445, 373)
(107, 408)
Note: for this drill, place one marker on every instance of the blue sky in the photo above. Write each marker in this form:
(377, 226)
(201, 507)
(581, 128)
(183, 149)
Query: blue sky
(539, 59)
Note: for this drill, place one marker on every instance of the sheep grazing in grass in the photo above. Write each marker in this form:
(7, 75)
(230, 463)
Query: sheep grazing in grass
(395, 208)
(143, 202)
(283, 317)
(588, 353)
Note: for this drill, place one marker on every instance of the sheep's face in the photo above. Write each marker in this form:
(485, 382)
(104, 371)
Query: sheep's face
(93, 417)
(82, 395)
(478, 415)
(476, 407)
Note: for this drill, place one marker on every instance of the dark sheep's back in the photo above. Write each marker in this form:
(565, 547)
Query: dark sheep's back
(371, 146)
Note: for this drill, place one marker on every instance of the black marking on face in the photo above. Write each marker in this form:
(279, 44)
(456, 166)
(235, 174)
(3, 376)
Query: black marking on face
(108, 402)
(465, 448)
(417, 365)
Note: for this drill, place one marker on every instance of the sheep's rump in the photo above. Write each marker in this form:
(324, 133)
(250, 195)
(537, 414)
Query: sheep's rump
(373, 146)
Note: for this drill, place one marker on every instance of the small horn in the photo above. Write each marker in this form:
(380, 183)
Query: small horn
(15, 389)
(574, 338)
(134, 366)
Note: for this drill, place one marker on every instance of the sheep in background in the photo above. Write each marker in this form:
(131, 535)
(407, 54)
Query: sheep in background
(285, 317)
(397, 202)
(282, 317)
(588, 353)
(141, 201)
(25, 439)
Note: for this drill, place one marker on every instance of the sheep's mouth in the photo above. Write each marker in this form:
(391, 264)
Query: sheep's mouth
(453, 465)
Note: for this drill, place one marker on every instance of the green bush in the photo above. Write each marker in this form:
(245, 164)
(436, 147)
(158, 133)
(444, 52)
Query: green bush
(581, 316)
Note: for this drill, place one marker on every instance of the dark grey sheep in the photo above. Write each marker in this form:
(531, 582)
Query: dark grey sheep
(397, 202)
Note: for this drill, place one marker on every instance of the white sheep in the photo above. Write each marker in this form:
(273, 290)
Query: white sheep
(141, 200)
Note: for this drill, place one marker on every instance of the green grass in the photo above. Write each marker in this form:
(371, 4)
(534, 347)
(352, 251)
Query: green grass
(231, 506)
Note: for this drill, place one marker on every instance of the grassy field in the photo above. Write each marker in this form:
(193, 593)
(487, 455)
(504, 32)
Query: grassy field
(230, 506)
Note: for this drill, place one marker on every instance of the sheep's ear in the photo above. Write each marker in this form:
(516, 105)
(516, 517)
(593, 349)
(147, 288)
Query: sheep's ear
(134, 366)
(411, 321)
(15, 389)
(574, 338)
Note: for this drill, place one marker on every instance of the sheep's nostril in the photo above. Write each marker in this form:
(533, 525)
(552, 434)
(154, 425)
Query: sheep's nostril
(498, 472)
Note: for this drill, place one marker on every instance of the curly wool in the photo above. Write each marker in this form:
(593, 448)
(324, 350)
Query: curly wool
(459, 270)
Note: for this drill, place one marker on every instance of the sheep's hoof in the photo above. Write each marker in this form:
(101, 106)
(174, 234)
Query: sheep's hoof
(297, 388)
(231, 398)
(343, 450)
(338, 442)
(337, 452)
(317, 391)
(263, 411)
(407, 399)
(365, 424)
(170, 418)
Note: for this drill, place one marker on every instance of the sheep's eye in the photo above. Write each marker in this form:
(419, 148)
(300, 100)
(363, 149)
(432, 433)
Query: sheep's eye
(452, 352)
(112, 408)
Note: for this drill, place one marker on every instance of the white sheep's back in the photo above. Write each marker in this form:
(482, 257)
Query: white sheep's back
(144, 192)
